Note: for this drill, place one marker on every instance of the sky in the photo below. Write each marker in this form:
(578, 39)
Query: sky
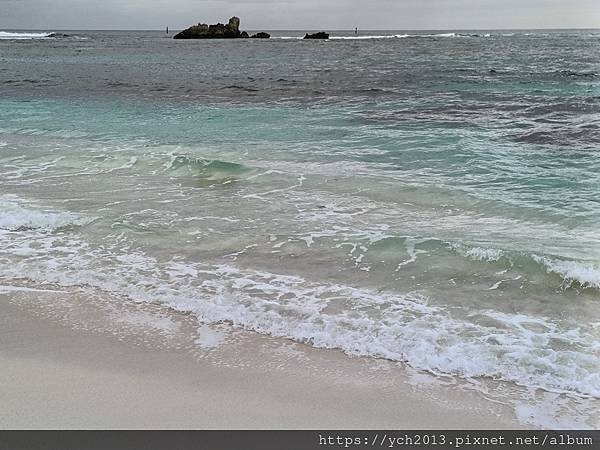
(300, 14)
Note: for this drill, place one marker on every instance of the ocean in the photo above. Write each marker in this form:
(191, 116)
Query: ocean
(431, 198)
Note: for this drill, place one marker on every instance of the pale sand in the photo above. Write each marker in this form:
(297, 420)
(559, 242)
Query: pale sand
(54, 375)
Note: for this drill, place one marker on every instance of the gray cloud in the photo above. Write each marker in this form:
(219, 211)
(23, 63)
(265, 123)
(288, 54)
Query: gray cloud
(300, 14)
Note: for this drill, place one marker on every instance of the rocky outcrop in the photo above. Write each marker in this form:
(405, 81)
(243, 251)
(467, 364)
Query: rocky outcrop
(261, 35)
(319, 35)
(218, 31)
(234, 23)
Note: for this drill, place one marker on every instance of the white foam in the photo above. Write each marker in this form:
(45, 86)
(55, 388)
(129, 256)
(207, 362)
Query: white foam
(552, 354)
(379, 36)
(397, 326)
(435, 35)
(413, 253)
(588, 275)
(16, 217)
(478, 253)
(146, 320)
(443, 35)
(209, 338)
(6, 289)
(359, 37)
(496, 285)
(551, 412)
(14, 35)
(484, 254)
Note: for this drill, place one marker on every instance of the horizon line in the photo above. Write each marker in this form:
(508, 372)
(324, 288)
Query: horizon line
(314, 29)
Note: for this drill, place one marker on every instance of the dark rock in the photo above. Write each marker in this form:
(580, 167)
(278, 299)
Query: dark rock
(319, 35)
(234, 23)
(244, 35)
(218, 31)
(261, 35)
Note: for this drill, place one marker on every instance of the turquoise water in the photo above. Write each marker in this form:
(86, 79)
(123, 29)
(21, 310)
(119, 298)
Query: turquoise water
(431, 199)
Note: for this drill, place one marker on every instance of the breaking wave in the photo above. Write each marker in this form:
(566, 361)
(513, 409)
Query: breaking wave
(15, 217)
(573, 273)
(396, 36)
(9, 35)
(14, 35)
(535, 351)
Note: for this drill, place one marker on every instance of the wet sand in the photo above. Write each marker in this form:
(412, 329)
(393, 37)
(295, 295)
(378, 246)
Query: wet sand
(59, 373)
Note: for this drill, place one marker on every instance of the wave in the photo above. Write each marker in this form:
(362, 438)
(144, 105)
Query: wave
(435, 35)
(205, 168)
(420, 35)
(342, 38)
(14, 35)
(398, 327)
(9, 35)
(578, 274)
(572, 272)
(445, 35)
(15, 217)
(551, 354)
(424, 35)
(391, 36)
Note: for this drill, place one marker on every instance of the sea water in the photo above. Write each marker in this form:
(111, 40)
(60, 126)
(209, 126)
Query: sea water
(425, 197)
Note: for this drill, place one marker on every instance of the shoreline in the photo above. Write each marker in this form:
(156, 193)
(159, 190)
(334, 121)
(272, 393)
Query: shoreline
(58, 376)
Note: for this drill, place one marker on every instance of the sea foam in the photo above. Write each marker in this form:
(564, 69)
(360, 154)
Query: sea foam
(16, 217)
(14, 35)
(587, 275)
(400, 326)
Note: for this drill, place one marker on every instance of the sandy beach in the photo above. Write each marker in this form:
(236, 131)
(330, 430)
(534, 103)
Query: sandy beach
(62, 369)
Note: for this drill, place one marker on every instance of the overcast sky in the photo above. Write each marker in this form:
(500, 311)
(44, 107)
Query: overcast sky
(300, 14)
